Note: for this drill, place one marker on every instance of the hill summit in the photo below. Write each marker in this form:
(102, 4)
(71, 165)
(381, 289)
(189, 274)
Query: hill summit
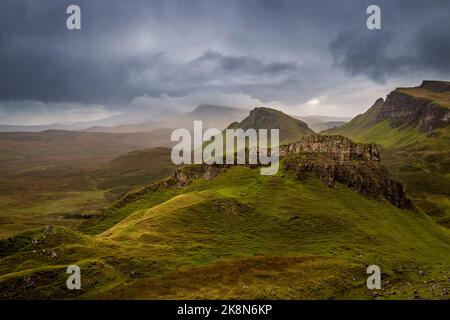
(291, 129)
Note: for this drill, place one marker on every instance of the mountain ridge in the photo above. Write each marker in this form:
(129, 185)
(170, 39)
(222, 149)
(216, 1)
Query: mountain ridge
(412, 128)
(212, 116)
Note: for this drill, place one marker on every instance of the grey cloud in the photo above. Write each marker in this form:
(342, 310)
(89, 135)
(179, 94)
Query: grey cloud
(245, 64)
(214, 71)
(282, 51)
(433, 45)
(413, 44)
(367, 53)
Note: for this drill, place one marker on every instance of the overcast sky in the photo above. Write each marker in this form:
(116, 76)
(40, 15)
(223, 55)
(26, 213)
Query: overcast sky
(141, 58)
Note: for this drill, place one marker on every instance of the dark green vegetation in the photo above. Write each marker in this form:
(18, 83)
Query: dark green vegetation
(238, 235)
(412, 127)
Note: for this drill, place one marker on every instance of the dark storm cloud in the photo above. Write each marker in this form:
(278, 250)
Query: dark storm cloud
(41, 60)
(432, 44)
(425, 47)
(366, 53)
(211, 70)
(36, 73)
(244, 64)
(284, 51)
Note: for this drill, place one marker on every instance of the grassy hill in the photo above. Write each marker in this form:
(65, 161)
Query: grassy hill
(239, 235)
(416, 154)
(291, 129)
(136, 168)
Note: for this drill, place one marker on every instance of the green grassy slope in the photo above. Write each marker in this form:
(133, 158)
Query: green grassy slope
(239, 235)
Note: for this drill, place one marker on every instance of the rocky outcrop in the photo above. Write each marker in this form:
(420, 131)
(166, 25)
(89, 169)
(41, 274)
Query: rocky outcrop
(181, 178)
(336, 147)
(186, 175)
(418, 107)
(335, 159)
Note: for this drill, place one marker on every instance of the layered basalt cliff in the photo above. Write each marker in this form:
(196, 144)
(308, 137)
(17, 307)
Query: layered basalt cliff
(425, 107)
(335, 159)
(336, 147)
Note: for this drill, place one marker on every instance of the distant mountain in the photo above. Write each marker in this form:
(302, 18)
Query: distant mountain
(321, 123)
(424, 108)
(291, 129)
(412, 126)
(128, 128)
(212, 116)
(38, 128)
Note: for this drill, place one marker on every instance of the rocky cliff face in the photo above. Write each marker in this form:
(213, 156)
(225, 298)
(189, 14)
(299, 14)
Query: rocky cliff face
(436, 86)
(335, 159)
(422, 106)
(336, 147)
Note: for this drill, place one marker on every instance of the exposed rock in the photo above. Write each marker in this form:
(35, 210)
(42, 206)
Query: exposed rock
(436, 86)
(181, 178)
(335, 147)
(337, 159)
(231, 207)
(412, 106)
(185, 176)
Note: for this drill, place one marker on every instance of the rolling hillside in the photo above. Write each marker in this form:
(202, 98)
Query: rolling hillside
(239, 235)
(228, 232)
(223, 231)
(134, 169)
(46, 190)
